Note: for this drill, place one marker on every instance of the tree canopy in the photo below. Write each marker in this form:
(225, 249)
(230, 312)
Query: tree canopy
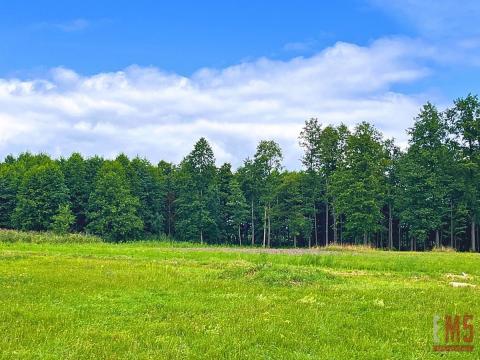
(356, 187)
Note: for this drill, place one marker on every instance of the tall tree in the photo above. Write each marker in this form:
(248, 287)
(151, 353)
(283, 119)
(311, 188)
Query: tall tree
(40, 195)
(197, 201)
(267, 164)
(330, 154)
(248, 179)
(424, 177)
(112, 209)
(74, 171)
(310, 141)
(465, 121)
(393, 155)
(226, 227)
(293, 206)
(167, 172)
(147, 185)
(9, 183)
(237, 208)
(357, 185)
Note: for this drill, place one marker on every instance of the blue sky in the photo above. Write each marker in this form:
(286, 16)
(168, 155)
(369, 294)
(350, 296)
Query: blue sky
(149, 77)
(180, 36)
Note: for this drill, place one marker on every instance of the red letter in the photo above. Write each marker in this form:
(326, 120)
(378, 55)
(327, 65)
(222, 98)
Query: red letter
(452, 330)
(469, 327)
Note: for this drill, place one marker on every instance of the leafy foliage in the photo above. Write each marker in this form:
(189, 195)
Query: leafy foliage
(112, 209)
(356, 187)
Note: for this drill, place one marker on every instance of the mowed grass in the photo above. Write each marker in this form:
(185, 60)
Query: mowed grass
(159, 301)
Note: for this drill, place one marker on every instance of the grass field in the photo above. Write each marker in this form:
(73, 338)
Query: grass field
(156, 300)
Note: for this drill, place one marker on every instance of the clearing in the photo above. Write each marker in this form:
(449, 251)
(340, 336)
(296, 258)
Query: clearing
(158, 300)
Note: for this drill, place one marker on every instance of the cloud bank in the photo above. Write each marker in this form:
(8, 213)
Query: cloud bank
(159, 115)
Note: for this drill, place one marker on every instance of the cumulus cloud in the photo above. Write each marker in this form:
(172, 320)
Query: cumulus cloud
(159, 115)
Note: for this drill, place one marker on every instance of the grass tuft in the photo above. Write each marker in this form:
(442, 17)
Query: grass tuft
(442, 249)
(14, 236)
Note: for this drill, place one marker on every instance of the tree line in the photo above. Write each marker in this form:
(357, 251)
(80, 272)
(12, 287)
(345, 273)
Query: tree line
(356, 187)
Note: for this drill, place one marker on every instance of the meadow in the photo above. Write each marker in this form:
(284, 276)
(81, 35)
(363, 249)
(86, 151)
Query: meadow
(86, 299)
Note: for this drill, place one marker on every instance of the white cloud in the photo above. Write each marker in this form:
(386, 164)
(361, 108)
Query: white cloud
(160, 115)
(450, 26)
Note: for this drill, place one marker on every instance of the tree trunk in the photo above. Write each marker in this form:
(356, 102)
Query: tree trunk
(201, 236)
(411, 244)
(335, 234)
(473, 233)
(239, 235)
(451, 224)
(314, 225)
(253, 227)
(265, 226)
(341, 229)
(269, 226)
(399, 236)
(365, 238)
(477, 233)
(326, 223)
(437, 239)
(169, 218)
(295, 241)
(390, 227)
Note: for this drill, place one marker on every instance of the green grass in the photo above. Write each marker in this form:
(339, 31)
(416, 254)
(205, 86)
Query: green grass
(95, 300)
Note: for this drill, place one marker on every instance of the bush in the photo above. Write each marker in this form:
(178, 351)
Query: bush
(63, 220)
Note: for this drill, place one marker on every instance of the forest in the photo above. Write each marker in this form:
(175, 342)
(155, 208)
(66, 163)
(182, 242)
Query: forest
(356, 187)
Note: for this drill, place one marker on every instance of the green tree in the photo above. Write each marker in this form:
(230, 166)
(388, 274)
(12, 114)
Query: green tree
(267, 165)
(63, 220)
(424, 179)
(112, 209)
(249, 182)
(41, 193)
(310, 140)
(293, 207)
(237, 207)
(168, 172)
(74, 170)
(331, 151)
(465, 121)
(357, 186)
(197, 201)
(226, 227)
(9, 183)
(148, 186)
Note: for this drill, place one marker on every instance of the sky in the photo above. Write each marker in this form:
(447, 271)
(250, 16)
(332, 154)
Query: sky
(149, 78)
